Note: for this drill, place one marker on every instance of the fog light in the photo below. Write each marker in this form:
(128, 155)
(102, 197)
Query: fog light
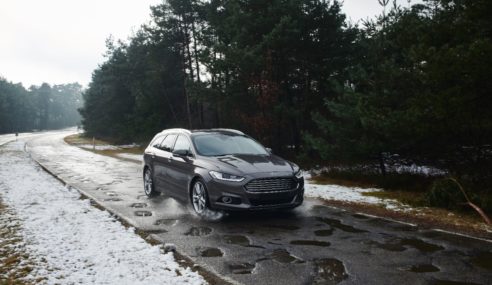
(227, 199)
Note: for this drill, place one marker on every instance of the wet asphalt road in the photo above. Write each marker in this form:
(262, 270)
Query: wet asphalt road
(314, 244)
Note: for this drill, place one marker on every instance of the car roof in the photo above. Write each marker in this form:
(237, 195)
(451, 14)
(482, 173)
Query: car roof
(198, 131)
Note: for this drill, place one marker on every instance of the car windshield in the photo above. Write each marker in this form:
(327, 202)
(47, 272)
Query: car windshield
(223, 144)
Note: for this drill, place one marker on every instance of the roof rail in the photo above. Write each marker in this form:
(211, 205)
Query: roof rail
(228, 130)
(177, 130)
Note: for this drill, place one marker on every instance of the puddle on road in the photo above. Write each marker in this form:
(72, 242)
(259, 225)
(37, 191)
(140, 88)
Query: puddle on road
(483, 260)
(155, 231)
(321, 208)
(143, 213)
(166, 222)
(283, 256)
(422, 268)
(255, 246)
(241, 268)
(138, 205)
(391, 246)
(210, 252)
(237, 239)
(402, 245)
(329, 271)
(282, 227)
(198, 231)
(310, 242)
(113, 200)
(323, 233)
(421, 245)
(450, 282)
(338, 224)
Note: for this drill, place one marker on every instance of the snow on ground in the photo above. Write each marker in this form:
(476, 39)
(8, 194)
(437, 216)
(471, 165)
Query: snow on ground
(394, 167)
(98, 147)
(107, 146)
(5, 138)
(138, 157)
(72, 242)
(349, 194)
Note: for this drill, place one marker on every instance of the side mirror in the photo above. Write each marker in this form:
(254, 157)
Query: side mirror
(181, 152)
(269, 150)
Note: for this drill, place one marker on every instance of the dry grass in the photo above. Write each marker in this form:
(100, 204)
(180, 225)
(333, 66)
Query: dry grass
(415, 199)
(15, 264)
(79, 141)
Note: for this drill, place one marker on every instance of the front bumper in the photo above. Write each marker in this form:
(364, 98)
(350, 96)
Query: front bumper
(243, 200)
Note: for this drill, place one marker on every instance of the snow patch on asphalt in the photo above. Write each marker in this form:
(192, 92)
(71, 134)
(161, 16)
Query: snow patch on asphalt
(73, 242)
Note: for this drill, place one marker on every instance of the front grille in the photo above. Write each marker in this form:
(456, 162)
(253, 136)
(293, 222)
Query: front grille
(269, 185)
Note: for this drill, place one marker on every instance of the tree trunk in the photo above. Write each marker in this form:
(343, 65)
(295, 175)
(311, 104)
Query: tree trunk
(185, 92)
(382, 166)
(197, 66)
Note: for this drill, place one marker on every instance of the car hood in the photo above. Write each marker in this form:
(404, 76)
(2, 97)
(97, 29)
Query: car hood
(248, 164)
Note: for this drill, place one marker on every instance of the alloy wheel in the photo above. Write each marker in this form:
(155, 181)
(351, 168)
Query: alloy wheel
(199, 198)
(148, 183)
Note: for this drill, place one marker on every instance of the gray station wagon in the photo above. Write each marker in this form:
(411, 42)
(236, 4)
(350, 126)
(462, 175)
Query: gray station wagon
(220, 169)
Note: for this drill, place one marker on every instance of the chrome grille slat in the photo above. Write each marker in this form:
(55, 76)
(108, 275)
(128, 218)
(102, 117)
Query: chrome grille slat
(271, 185)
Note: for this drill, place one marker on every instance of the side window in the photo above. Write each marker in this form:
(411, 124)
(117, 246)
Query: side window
(168, 142)
(157, 141)
(182, 143)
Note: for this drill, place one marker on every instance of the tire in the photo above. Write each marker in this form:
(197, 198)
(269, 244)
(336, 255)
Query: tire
(149, 188)
(200, 203)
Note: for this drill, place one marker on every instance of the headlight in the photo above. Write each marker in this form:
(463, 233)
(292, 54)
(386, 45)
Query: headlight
(298, 174)
(226, 177)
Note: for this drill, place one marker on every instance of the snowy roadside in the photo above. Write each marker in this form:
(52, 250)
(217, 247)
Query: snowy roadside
(137, 157)
(351, 194)
(71, 242)
(6, 138)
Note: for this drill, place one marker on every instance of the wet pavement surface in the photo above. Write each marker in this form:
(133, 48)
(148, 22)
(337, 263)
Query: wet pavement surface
(314, 244)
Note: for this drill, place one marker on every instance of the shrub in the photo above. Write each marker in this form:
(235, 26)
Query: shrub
(445, 193)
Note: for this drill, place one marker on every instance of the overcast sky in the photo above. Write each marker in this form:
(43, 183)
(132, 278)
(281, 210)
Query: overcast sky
(63, 41)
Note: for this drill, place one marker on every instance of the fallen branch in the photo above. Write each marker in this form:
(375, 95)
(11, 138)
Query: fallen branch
(470, 203)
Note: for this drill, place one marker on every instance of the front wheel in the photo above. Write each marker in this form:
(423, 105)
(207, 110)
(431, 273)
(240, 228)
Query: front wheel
(149, 184)
(199, 201)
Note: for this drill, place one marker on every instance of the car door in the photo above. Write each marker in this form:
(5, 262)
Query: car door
(181, 167)
(151, 158)
(161, 163)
